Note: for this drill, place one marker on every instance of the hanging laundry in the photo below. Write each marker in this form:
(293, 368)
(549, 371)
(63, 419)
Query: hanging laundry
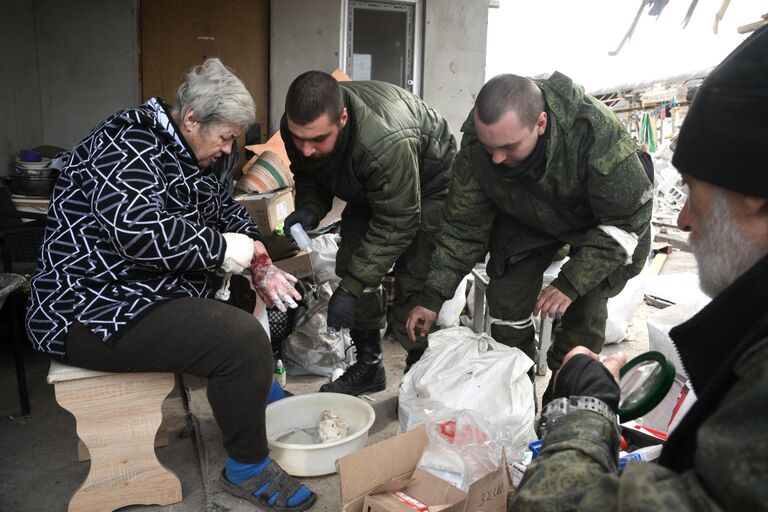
(648, 132)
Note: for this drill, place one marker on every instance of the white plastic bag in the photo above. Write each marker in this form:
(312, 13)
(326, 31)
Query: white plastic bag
(323, 255)
(465, 370)
(463, 447)
(661, 322)
(312, 348)
(451, 309)
(622, 308)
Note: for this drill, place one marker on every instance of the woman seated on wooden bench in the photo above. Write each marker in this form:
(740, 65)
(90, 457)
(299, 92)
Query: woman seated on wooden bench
(137, 222)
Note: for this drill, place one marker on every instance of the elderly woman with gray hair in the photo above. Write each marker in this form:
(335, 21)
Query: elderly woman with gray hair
(137, 223)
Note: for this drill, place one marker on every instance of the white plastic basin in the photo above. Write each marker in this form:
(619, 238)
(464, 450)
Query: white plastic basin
(286, 418)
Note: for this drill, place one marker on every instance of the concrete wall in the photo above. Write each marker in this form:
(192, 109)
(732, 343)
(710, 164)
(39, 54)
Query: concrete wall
(21, 124)
(72, 64)
(88, 62)
(304, 35)
(455, 33)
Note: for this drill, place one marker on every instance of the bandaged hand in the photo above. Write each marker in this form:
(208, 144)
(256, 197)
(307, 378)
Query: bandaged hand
(238, 254)
(272, 284)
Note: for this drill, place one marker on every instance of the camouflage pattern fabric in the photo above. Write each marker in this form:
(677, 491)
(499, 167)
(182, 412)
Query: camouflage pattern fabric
(512, 296)
(576, 469)
(593, 177)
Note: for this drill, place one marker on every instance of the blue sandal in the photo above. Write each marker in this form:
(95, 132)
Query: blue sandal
(275, 488)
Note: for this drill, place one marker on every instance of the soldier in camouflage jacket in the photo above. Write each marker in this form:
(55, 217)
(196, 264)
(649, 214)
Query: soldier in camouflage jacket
(526, 188)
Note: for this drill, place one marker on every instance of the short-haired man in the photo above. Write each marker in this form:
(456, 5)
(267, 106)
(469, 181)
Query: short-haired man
(388, 155)
(716, 457)
(542, 166)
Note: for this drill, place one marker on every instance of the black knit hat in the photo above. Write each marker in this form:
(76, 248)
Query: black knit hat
(724, 138)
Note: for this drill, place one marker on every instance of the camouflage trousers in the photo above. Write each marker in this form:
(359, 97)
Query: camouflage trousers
(512, 295)
(410, 272)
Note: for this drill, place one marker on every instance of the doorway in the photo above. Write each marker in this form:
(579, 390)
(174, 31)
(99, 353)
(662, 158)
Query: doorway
(178, 34)
(383, 42)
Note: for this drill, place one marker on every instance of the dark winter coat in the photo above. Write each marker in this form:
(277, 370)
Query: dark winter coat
(133, 221)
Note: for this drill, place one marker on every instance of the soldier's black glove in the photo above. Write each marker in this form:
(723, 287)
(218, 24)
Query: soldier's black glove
(304, 216)
(341, 309)
(583, 376)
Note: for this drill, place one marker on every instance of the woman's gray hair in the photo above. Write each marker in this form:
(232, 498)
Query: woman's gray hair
(215, 95)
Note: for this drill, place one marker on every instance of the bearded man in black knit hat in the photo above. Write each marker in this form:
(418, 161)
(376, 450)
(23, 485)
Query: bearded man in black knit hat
(717, 457)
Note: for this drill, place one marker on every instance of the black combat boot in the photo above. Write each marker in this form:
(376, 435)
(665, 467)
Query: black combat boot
(367, 374)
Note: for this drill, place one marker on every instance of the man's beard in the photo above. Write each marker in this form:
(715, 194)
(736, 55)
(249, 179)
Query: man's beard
(722, 252)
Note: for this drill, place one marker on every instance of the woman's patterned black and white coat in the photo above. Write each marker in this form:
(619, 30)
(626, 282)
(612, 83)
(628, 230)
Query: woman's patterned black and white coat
(133, 221)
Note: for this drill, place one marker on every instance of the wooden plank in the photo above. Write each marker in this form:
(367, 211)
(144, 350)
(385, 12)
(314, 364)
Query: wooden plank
(654, 268)
(751, 27)
(161, 439)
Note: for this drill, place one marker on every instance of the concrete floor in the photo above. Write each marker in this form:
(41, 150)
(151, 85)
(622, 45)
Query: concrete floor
(39, 469)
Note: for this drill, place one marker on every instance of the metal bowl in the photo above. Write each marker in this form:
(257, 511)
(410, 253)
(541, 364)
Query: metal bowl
(46, 172)
(38, 186)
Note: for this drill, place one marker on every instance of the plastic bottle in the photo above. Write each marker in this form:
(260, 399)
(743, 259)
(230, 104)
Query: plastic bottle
(280, 373)
(301, 237)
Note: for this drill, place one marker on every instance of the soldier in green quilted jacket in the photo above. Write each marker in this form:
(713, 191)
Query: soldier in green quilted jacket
(388, 155)
(542, 167)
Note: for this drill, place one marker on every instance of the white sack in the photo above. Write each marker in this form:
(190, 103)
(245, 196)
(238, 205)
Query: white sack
(662, 321)
(465, 370)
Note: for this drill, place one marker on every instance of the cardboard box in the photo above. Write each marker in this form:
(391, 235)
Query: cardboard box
(299, 266)
(370, 477)
(268, 210)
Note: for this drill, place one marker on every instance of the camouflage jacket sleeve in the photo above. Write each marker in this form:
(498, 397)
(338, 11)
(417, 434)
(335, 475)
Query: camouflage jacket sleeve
(463, 239)
(620, 196)
(576, 469)
(311, 193)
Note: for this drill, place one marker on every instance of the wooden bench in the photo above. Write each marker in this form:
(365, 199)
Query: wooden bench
(118, 416)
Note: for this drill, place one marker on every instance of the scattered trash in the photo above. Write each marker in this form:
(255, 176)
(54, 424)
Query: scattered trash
(669, 191)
